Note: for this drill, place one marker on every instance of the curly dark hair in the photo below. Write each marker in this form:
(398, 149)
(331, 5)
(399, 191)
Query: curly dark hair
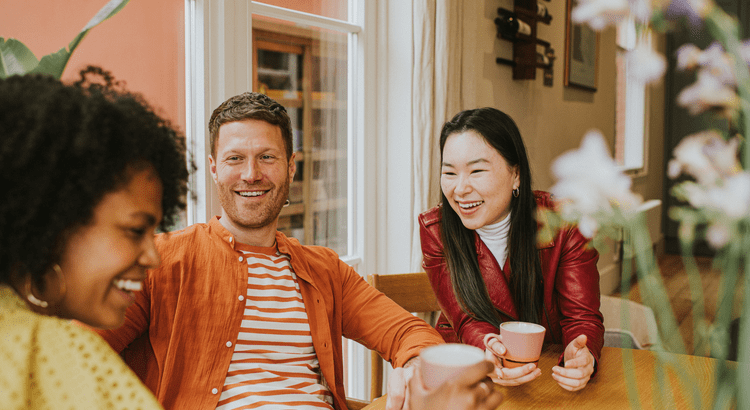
(251, 106)
(62, 149)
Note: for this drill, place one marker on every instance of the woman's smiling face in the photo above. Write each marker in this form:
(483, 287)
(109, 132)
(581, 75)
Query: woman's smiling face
(105, 261)
(476, 179)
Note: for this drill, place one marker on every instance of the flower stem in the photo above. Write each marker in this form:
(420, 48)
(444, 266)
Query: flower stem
(696, 294)
(654, 294)
(726, 30)
(743, 341)
(628, 360)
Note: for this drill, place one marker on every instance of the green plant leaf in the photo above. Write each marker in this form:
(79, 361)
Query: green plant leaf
(15, 58)
(53, 64)
(20, 57)
(109, 10)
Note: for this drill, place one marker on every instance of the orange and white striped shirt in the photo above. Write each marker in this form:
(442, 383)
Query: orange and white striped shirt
(274, 362)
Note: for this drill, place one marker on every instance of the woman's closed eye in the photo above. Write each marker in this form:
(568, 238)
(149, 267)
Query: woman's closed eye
(136, 232)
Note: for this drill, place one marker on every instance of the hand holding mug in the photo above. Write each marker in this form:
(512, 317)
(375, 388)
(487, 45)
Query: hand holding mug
(468, 390)
(494, 352)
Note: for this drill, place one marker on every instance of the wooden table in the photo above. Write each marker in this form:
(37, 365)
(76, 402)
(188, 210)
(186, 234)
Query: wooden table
(608, 390)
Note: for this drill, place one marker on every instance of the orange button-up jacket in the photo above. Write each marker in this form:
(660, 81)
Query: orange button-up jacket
(190, 311)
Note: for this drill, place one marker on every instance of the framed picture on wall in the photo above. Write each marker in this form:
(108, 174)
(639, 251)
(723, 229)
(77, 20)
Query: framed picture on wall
(581, 53)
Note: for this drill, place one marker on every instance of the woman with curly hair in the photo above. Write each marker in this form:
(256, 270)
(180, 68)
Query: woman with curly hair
(87, 173)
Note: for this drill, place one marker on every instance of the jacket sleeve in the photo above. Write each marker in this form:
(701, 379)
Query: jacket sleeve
(577, 285)
(468, 329)
(372, 319)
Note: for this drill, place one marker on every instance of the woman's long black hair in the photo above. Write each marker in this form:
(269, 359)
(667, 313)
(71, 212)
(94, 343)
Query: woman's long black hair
(500, 132)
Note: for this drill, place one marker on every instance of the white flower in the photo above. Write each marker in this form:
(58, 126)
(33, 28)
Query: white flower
(647, 65)
(695, 194)
(591, 186)
(714, 59)
(600, 13)
(706, 156)
(719, 64)
(745, 51)
(641, 10)
(732, 196)
(718, 235)
(723, 155)
(725, 202)
(688, 56)
(709, 92)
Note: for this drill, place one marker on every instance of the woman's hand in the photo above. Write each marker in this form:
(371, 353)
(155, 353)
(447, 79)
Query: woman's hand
(398, 382)
(579, 366)
(469, 390)
(494, 351)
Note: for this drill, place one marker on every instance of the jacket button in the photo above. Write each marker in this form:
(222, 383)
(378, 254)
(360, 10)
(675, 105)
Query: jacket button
(214, 391)
(241, 298)
(229, 344)
(240, 258)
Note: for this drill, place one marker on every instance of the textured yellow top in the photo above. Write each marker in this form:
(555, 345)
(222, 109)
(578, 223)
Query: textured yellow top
(49, 363)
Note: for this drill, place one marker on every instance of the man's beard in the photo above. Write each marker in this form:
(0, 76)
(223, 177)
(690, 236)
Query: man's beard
(254, 217)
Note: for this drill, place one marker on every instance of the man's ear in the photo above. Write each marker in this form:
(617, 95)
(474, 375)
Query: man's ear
(212, 168)
(292, 167)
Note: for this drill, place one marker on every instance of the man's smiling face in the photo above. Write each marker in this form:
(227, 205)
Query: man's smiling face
(252, 173)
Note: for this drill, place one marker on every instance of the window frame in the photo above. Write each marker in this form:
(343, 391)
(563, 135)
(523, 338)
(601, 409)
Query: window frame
(218, 53)
(631, 106)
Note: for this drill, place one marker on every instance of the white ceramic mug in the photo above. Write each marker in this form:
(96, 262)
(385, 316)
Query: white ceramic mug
(441, 362)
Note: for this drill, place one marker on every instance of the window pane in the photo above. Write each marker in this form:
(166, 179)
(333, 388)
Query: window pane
(305, 70)
(337, 9)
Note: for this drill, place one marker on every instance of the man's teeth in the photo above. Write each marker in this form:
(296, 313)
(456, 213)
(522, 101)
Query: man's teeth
(470, 204)
(252, 193)
(128, 285)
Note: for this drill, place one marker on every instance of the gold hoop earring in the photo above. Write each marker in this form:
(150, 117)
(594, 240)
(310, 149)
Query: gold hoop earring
(516, 192)
(43, 303)
(33, 299)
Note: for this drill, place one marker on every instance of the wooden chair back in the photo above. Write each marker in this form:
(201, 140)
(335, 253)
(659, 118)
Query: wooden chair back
(413, 292)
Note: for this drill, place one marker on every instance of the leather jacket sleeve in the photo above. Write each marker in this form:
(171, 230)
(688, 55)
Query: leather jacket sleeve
(576, 280)
(459, 325)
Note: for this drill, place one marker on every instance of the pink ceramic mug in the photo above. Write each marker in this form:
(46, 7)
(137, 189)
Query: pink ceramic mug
(441, 362)
(522, 341)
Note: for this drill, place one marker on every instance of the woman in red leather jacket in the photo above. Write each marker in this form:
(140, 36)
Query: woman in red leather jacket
(485, 264)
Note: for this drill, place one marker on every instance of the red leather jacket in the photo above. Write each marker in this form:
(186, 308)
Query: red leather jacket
(571, 286)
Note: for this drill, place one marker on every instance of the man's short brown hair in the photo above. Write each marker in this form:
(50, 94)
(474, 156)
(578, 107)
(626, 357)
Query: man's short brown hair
(251, 106)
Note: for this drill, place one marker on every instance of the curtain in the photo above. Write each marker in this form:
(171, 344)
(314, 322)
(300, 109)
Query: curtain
(436, 98)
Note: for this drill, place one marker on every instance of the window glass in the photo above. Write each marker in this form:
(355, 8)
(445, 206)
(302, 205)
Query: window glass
(337, 9)
(305, 70)
(630, 105)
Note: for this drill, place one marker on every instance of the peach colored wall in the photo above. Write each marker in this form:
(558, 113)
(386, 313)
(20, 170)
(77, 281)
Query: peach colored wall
(142, 45)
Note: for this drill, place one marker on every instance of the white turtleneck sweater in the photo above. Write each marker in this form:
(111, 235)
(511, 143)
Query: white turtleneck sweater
(495, 236)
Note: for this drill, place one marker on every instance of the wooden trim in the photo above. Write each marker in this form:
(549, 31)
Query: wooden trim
(411, 291)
